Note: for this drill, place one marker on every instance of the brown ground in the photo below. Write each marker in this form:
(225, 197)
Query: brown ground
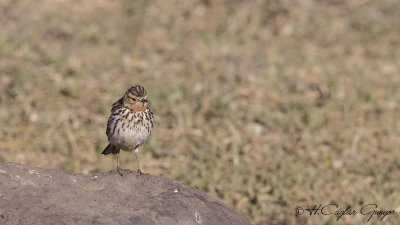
(31, 195)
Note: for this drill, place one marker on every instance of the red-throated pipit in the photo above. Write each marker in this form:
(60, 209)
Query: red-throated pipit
(129, 124)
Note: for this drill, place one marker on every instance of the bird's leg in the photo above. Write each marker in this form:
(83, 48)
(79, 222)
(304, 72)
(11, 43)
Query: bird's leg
(137, 160)
(118, 169)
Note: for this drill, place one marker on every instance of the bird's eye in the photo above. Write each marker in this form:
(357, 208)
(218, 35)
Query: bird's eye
(133, 100)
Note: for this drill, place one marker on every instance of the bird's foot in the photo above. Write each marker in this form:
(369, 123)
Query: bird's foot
(139, 172)
(119, 170)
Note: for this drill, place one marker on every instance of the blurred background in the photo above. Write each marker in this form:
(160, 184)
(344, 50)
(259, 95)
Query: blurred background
(267, 105)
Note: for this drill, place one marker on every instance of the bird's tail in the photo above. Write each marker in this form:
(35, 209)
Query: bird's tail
(110, 149)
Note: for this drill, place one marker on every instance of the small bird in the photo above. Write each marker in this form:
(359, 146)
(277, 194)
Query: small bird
(129, 124)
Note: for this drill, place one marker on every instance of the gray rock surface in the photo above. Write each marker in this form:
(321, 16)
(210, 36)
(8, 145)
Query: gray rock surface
(31, 195)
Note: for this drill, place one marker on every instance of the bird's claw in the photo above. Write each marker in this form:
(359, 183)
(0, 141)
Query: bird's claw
(119, 171)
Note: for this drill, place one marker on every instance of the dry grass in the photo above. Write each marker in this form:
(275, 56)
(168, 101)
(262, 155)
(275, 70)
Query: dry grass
(267, 105)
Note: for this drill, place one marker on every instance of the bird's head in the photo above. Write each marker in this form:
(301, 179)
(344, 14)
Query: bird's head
(136, 98)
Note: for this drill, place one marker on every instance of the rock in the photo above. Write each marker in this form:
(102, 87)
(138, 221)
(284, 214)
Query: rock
(31, 195)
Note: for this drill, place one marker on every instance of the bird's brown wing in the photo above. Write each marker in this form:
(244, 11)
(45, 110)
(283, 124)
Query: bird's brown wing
(117, 105)
(111, 120)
